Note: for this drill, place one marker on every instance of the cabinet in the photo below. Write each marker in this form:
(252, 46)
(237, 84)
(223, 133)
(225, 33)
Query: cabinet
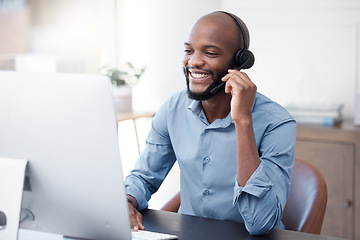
(336, 152)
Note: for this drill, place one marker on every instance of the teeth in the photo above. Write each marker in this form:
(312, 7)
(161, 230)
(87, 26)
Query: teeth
(199, 75)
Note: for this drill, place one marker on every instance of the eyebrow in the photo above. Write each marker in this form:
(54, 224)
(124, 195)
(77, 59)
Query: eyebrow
(206, 46)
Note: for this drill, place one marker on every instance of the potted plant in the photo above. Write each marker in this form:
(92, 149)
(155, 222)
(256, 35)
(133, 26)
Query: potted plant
(122, 80)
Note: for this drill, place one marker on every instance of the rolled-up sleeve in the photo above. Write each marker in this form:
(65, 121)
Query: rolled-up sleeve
(258, 204)
(261, 201)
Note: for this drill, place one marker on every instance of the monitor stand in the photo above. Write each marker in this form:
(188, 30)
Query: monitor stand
(12, 174)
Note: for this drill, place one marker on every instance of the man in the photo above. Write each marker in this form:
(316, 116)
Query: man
(234, 146)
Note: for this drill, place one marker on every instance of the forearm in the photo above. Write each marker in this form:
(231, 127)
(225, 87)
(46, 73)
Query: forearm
(247, 154)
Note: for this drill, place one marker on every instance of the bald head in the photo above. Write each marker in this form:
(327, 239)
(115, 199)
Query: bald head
(227, 22)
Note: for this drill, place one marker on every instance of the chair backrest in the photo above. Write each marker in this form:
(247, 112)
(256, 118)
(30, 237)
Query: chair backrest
(305, 208)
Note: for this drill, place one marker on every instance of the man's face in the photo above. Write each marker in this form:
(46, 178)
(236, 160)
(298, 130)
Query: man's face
(209, 53)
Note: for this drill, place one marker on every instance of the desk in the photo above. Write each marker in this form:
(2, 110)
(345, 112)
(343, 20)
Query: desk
(189, 228)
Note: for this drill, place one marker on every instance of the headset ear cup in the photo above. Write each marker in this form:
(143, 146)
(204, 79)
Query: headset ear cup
(244, 59)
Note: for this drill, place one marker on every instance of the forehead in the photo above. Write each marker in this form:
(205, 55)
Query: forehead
(209, 31)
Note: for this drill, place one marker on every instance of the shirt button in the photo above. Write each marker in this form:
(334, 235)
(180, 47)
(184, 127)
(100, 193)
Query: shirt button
(206, 160)
(206, 192)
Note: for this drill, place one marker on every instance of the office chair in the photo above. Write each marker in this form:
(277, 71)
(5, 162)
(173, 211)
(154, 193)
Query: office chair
(305, 208)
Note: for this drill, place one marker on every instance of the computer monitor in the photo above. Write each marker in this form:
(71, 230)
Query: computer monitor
(65, 126)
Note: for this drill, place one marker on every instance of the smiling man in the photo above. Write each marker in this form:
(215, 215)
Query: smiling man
(234, 146)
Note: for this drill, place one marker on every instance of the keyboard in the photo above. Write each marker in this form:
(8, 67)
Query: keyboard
(147, 235)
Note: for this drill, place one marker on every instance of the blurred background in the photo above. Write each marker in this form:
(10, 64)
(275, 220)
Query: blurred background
(306, 51)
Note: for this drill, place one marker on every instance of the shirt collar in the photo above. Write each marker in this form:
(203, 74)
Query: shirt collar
(196, 107)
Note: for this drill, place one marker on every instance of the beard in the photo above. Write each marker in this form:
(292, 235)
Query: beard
(206, 94)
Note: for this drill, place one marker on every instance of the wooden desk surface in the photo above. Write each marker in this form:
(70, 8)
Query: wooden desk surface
(189, 228)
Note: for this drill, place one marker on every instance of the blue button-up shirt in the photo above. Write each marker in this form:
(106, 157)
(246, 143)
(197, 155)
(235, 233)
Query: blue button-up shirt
(206, 154)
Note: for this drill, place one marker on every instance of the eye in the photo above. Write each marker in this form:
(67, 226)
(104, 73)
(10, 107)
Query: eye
(188, 51)
(212, 54)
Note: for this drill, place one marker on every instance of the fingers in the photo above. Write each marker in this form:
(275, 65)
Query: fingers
(243, 92)
(232, 73)
(237, 80)
(135, 218)
(139, 220)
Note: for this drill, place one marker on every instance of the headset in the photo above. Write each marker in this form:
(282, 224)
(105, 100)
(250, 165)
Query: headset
(243, 58)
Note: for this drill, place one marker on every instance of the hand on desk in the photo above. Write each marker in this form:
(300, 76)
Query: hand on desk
(135, 216)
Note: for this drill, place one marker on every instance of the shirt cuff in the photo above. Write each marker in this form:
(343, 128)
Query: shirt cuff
(141, 201)
(258, 185)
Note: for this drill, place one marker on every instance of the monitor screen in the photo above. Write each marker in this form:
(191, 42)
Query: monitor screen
(65, 126)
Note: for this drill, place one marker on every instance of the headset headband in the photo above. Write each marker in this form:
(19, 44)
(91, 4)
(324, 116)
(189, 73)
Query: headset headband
(242, 29)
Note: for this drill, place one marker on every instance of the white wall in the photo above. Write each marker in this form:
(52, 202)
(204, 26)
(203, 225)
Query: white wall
(154, 33)
(306, 51)
(83, 30)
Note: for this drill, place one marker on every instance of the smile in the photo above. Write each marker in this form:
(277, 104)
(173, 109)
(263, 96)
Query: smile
(199, 75)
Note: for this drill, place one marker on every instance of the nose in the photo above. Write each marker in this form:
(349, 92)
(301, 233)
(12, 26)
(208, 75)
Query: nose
(196, 60)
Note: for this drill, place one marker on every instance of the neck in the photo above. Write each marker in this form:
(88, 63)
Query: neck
(217, 107)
